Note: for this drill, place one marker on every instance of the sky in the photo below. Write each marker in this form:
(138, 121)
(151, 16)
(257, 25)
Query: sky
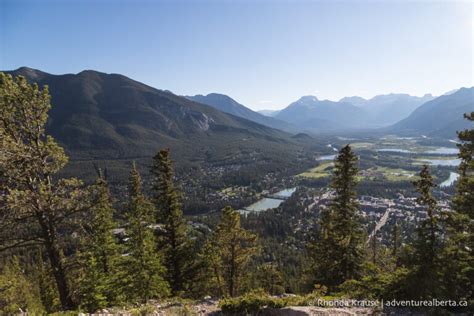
(264, 54)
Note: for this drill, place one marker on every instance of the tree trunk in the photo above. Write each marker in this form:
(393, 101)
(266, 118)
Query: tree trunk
(54, 256)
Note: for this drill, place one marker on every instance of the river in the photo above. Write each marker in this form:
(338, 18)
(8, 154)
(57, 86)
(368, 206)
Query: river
(268, 202)
(453, 176)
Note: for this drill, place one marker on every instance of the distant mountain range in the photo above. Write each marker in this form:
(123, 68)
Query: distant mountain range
(384, 110)
(322, 115)
(350, 112)
(97, 115)
(309, 114)
(440, 117)
(109, 116)
(226, 104)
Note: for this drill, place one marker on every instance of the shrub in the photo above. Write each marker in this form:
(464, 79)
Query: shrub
(250, 303)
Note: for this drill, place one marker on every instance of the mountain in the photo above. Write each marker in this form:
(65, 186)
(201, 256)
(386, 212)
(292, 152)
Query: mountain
(355, 100)
(226, 104)
(97, 116)
(322, 115)
(384, 110)
(270, 113)
(440, 117)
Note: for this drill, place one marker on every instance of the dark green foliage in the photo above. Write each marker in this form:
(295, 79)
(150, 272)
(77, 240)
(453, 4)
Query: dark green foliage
(423, 261)
(228, 252)
(36, 208)
(173, 239)
(250, 303)
(337, 248)
(143, 271)
(464, 198)
(111, 117)
(93, 285)
(428, 231)
(458, 257)
(101, 254)
(17, 291)
(269, 278)
(47, 287)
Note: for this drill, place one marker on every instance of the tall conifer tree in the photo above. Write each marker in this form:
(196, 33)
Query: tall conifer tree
(145, 273)
(423, 282)
(229, 250)
(173, 238)
(458, 257)
(101, 252)
(337, 249)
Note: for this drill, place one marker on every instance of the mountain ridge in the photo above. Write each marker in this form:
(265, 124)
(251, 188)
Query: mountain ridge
(228, 105)
(440, 117)
(96, 115)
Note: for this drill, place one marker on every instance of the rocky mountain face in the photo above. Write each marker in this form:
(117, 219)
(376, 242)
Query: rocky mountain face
(226, 104)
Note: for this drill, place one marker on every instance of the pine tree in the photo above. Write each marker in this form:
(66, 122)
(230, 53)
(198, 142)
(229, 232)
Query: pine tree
(35, 206)
(423, 283)
(458, 257)
(230, 249)
(93, 285)
(173, 239)
(429, 228)
(144, 271)
(337, 249)
(269, 278)
(101, 253)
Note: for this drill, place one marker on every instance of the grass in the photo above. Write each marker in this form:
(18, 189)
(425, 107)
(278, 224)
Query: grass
(390, 174)
(321, 171)
(374, 173)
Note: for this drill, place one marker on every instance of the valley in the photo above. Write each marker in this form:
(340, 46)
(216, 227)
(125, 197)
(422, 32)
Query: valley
(388, 166)
(236, 158)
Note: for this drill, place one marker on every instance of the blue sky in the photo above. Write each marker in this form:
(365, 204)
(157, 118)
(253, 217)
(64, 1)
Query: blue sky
(265, 54)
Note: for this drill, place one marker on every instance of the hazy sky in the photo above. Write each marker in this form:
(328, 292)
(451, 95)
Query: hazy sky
(265, 54)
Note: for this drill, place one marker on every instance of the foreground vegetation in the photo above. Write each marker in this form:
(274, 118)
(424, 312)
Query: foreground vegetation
(64, 246)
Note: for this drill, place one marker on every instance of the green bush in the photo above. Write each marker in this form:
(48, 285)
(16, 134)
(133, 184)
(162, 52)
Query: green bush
(17, 291)
(250, 303)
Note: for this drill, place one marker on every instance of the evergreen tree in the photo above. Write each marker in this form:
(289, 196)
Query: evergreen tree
(458, 257)
(337, 249)
(93, 285)
(428, 230)
(230, 249)
(423, 282)
(101, 254)
(269, 278)
(173, 238)
(144, 271)
(35, 207)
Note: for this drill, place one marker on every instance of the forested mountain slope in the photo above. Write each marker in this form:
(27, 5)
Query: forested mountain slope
(440, 117)
(96, 115)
